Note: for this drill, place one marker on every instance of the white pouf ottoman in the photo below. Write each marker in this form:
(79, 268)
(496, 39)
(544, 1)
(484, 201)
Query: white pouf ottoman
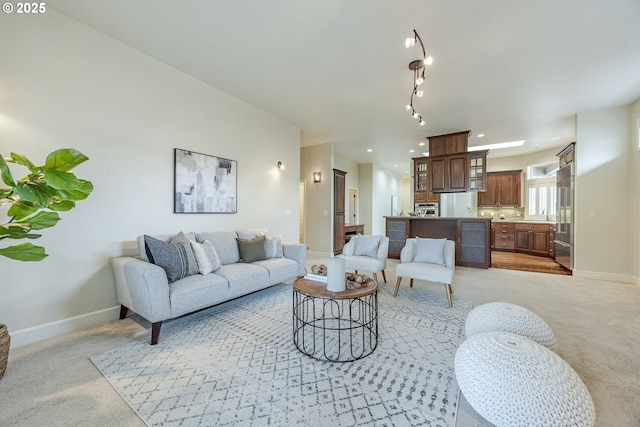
(506, 317)
(512, 381)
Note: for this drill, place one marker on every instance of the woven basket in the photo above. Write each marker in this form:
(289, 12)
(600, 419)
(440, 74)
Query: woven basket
(5, 339)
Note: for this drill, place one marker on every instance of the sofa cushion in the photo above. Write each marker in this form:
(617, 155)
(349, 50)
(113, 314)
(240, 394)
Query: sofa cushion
(280, 269)
(430, 250)
(224, 243)
(252, 249)
(367, 246)
(206, 256)
(170, 256)
(195, 292)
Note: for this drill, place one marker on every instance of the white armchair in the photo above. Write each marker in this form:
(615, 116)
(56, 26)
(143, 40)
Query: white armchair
(432, 260)
(367, 253)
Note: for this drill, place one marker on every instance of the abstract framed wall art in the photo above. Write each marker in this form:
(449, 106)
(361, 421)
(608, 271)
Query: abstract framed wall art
(204, 184)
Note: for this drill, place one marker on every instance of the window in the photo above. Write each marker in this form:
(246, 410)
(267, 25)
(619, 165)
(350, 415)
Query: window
(541, 200)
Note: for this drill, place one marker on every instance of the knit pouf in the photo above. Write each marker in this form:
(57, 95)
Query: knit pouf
(505, 317)
(513, 381)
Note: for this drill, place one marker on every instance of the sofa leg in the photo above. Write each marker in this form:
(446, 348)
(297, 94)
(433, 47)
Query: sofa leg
(155, 332)
(123, 312)
(411, 283)
(395, 294)
(384, 277)
(447, 286)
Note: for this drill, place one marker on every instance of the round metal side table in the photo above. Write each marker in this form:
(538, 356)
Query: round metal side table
(335, 326)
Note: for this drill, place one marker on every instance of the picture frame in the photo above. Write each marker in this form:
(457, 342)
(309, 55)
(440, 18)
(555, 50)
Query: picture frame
(204, 183)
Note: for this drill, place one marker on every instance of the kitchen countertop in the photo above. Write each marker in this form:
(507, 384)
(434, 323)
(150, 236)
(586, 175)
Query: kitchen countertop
(511, 221)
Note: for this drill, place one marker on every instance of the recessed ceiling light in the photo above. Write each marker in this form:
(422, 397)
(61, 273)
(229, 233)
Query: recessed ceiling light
(556, 137)
(412, 151)
(369, 150)
(497, 145)
(421, 144)
(395, 166)
(481, 135)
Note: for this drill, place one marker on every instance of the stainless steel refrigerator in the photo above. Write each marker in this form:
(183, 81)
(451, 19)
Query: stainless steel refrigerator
(564, 216)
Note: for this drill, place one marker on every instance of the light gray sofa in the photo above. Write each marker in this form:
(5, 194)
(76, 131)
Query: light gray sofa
(144, 287)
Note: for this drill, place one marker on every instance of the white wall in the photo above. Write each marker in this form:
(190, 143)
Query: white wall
(319, 197)
(64, 85)
(634, 156)
(385, 185)
(603, 186)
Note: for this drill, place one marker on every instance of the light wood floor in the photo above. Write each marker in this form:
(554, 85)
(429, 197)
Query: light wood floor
(524, 262)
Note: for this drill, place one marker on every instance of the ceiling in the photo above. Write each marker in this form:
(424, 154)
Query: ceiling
(338, 69)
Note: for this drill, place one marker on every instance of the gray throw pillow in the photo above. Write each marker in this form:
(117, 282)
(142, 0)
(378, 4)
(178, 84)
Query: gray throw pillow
(181, 239)
(273, 247)
(171, 257)
(367, 246)
(206, 256)
(252, 249)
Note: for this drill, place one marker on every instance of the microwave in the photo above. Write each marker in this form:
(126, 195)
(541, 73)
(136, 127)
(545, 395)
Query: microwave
(427, 209)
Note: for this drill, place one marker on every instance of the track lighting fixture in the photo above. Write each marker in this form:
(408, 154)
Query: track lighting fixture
(418, 67)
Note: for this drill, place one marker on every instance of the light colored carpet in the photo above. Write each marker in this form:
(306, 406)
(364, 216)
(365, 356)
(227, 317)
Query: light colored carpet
(237, 365)
(53, 382)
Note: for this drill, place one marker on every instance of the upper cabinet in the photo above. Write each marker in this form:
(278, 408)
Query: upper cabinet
(421, 193)
(567, 155)
(503, 189)
(453, 169)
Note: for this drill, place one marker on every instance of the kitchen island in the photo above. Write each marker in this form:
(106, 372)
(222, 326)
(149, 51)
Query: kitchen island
(471, 235)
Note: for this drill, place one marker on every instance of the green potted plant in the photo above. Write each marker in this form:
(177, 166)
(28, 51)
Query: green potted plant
(33, 204)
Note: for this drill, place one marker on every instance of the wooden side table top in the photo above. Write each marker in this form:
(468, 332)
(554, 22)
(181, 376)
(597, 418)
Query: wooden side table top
(319, 289)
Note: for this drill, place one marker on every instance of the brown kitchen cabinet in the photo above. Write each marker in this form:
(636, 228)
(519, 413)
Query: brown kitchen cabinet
(503, 236)
(567, 155)
(339, 183)
(456, 173)
(532, 239)
(421, 193)
(503, 189)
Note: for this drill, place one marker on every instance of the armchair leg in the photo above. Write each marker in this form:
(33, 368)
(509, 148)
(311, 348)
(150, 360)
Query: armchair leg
(375, 278)
(384, 277)
(449, 292)
(155, 332)
(411, 283)
(395, 294)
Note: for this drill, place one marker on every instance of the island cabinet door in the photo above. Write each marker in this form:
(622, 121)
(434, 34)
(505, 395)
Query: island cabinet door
(397, 232)
(473, 246)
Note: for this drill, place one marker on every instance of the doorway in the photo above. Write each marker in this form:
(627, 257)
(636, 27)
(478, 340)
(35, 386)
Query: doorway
(353, 206)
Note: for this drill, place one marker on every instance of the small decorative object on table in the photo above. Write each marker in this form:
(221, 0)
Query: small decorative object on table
(355, 281)
(336, 275)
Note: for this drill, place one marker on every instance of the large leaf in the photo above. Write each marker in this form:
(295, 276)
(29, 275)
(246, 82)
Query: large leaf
(72, 194)
(41, 220)
(37, 194)
(67, 181)
(6, 173)
(65, 205)
(24, 252)
(21, 209)
(14, 230)
(64, 160)
(21, 159)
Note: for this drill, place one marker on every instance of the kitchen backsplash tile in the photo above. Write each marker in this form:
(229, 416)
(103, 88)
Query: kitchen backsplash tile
(509, 214)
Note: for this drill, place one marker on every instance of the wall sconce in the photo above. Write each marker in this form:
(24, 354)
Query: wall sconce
(280, 165)
(317, 177)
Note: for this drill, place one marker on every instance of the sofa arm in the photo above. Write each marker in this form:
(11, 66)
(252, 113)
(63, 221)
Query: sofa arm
(142, 287)
(296, 252)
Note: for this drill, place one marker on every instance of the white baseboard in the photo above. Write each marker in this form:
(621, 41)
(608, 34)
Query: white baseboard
(59, 327)
(611, 277)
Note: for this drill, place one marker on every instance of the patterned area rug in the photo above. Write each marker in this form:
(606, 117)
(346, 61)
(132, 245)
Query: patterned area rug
(236, 364)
